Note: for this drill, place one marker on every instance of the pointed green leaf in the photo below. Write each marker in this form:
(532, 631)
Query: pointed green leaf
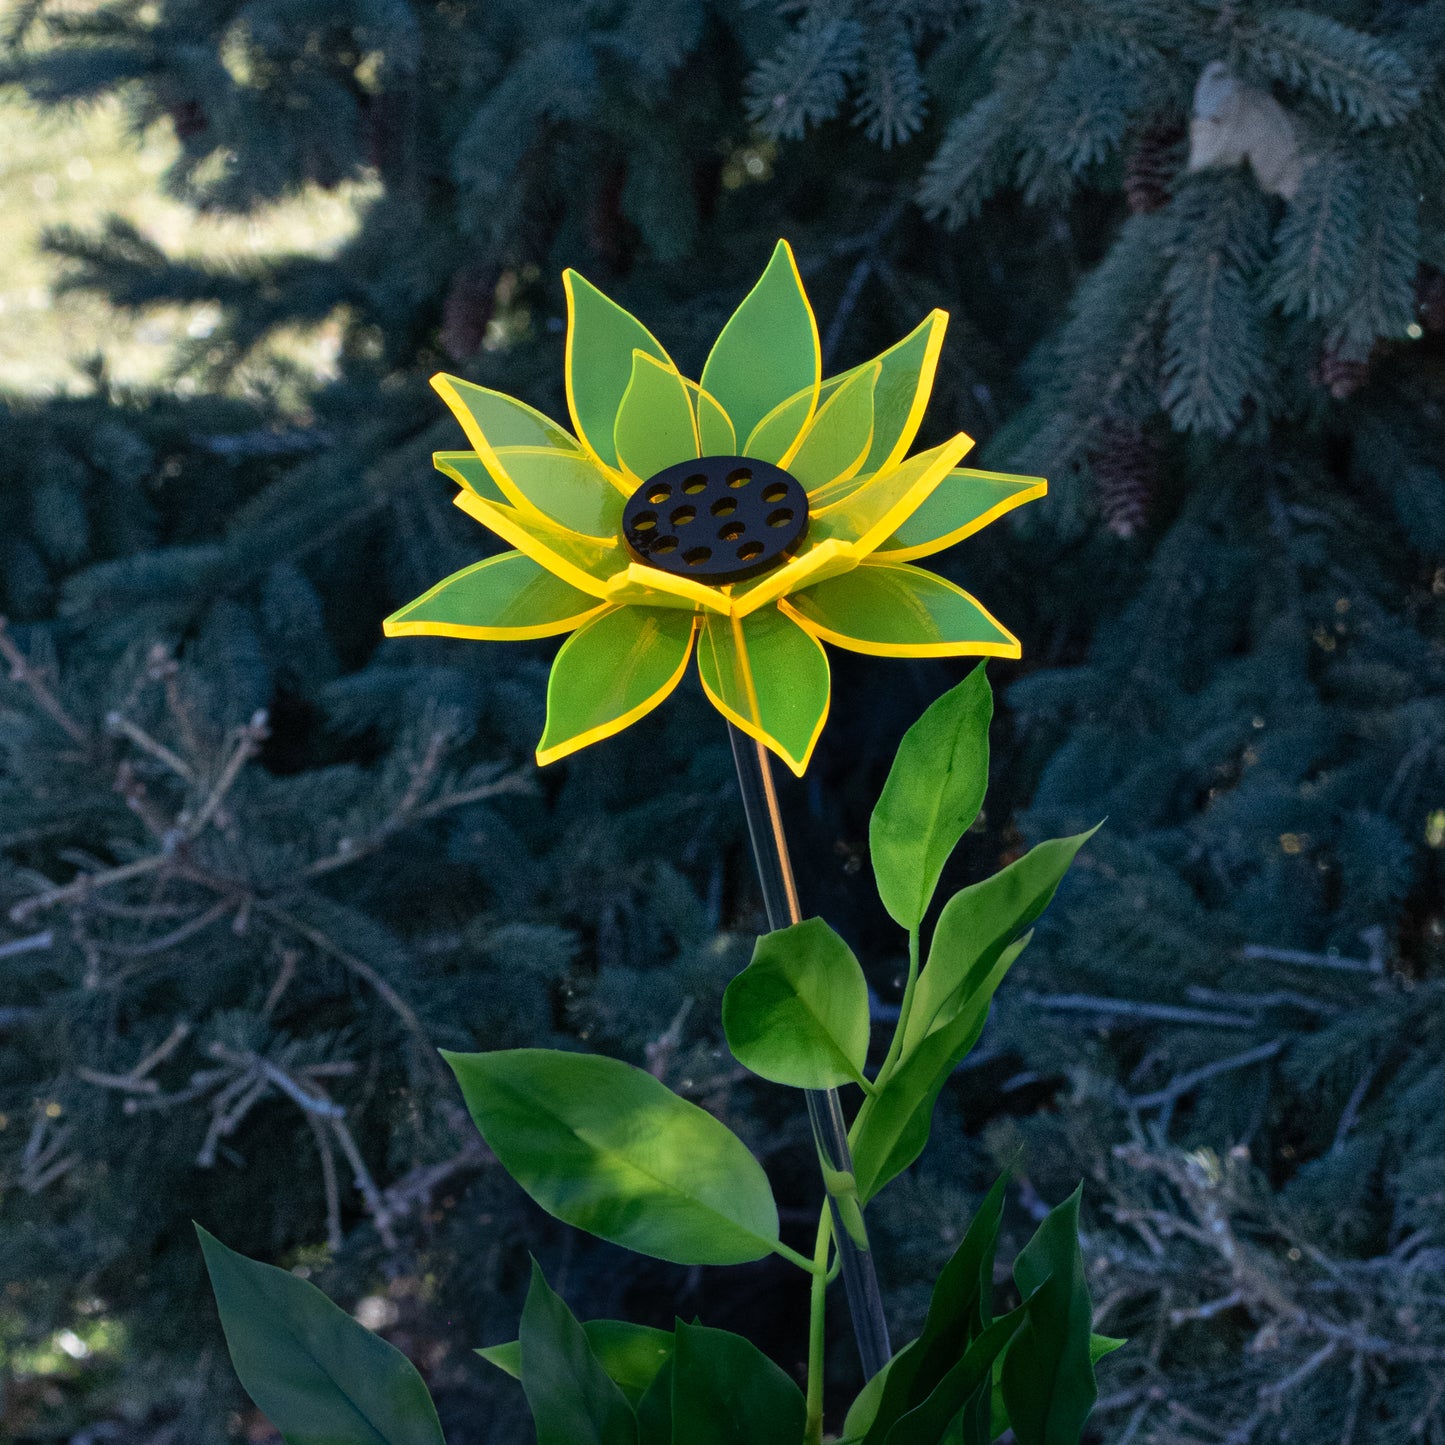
(773, 437)
(900, 397)
(655, 425)
(978, 923)
(501, 420)
(725, 1391)
(965, 1388)
(607, 1148)
(893, 609)
(869, 1400)
(318, 1376)
(573, 1401)
(507, 597)
(933, 793)
(892, 1126)
(769, 348)
(838, 437)
(612, 671)
(960, 1310)
(601, 338)
(567, 488)
(1099, 1346)
(468, 470)
(964, 502)
(631, 1354)
(798, 1014)
(768, 677)
(654, 1409)
(1048, 1374)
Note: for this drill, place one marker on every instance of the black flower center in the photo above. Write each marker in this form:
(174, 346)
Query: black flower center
(719, 519)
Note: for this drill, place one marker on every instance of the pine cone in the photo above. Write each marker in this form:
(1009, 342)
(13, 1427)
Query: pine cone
(1152, 165)
(1340, 374)
(1126, 469)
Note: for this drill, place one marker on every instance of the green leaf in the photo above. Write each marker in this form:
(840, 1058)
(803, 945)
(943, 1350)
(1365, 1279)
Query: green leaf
(978, 923)
(654, 1409)
(504, 597)
(1099, 1346)
(892, 1126)
(612, 671)
(900, 396)
(631, 1354)
(769, 678)
(1048, 1375)
(573, 1401)
(655, 424)
(769, 348)
(869, 1400)
(601, 338)
(319, 1376)
(960, 1310)
(839, 435)
(798, 1014)
(607, 1148)
(893, 609)
(965, 1388)
(725, 1391)
(933, 793)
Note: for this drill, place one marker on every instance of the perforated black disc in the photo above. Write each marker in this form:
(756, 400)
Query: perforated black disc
(719, 519)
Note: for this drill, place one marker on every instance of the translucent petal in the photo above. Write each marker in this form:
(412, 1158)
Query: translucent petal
(610, 672)
(826, 559)
(769, 348)
(716, 436)
(585, 562)
(965, 502)
(568, 488)
(890, 609)
(901, 395)
(507, 598)
(777, 434)
(493, 419)
(838, 438)
(468, 470)
(601, 338)
(866, 514)
(652, 587)
(766, 675)
(655, 422)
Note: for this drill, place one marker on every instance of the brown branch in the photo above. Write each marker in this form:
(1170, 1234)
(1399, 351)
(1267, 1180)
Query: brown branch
(22, 672)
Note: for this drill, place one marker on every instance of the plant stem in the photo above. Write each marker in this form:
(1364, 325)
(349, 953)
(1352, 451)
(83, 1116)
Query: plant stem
(817, 1301)
(905, 1012)
(825, 1109)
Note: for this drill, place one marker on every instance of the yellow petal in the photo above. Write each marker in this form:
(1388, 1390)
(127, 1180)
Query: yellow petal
(828, 559)
(583, 561)
(646, 586)
(978, 497)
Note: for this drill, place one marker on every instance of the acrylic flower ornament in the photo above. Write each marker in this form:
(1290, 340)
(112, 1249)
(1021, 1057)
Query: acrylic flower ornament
(754, 515)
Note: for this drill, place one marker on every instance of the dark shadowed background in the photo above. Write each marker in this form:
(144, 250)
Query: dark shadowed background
(256, 864)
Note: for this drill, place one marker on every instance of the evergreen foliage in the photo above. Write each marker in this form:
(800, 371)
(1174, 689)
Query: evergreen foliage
(1230, 1023)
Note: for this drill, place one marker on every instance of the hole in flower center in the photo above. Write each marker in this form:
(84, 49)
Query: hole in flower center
(741, 516)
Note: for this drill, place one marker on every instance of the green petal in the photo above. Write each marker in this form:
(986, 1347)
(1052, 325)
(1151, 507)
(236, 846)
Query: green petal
(901, 395)
(613, 671)
(655, 425)
(565, 487)
(769, 348)
(775, 436)
(890, 609)
(768, 677)
(838, 439)
(865, 514)
(468, 470)
(964, 502)
(714, 425)
(502, 420)
(505, 598)
(601, 338)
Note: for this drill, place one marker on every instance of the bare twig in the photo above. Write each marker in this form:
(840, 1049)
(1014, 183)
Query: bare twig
(1175, 1089)
(1130, 1008)
(22, 672)
(117, 723)
(88, 883)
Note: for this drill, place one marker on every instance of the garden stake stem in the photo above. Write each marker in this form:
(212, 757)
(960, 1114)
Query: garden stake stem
(825, 1109)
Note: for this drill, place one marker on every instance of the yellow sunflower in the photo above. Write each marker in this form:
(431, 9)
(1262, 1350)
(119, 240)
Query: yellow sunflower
(754, 514)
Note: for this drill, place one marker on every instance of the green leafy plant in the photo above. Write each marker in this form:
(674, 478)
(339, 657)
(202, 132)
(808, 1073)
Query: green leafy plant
(607, 1148)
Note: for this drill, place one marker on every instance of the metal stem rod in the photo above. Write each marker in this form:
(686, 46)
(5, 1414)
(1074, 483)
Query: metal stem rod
(825, 1109)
